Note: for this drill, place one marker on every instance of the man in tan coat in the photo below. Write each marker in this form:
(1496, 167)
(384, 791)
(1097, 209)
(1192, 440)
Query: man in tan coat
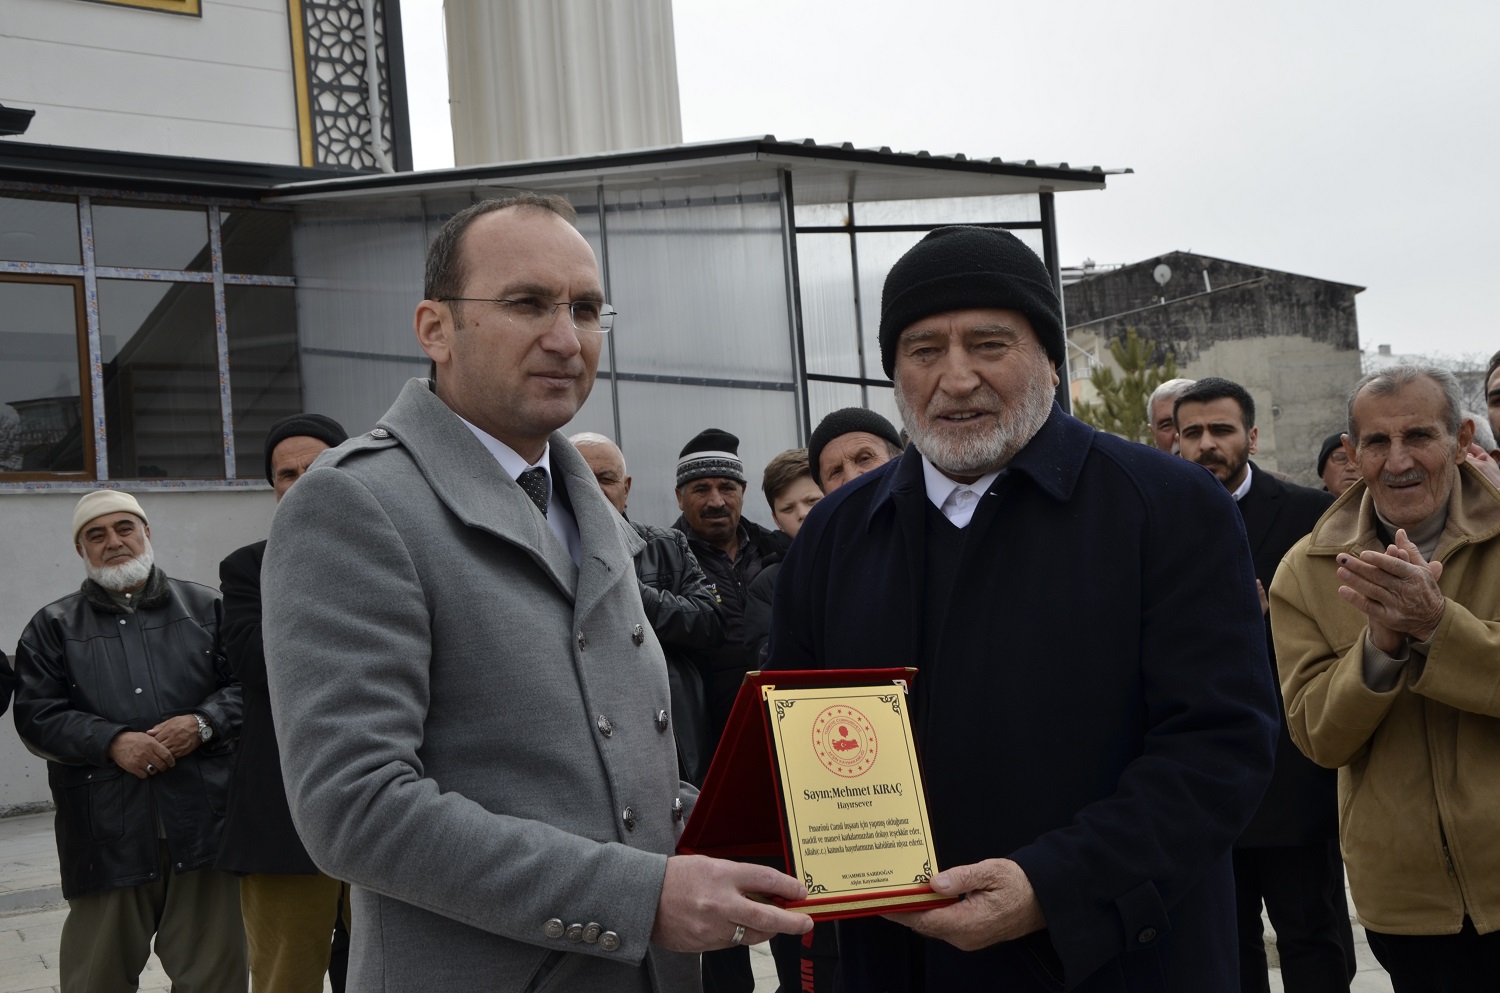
(1387, 627)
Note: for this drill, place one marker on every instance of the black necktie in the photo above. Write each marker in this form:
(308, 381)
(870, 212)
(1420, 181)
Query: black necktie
(534, 482)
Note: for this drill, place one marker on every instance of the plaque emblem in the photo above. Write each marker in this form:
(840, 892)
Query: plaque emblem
(844, 741)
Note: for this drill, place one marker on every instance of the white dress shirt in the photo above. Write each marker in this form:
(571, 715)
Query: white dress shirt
(1239, 492)
(564, 526)
(956, 501)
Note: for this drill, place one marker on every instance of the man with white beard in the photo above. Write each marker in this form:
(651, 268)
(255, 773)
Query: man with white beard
(126, 694)
(1093, 709)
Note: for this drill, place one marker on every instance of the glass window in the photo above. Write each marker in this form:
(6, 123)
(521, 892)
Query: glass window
(161, 380)
(42, 416)
(878, 251)
(960, 210)
(821, 215)
(155, 237)
(261, 322)
(35, 227)
(825, 276)
(701, 288)
(256, 242)
(824, 398)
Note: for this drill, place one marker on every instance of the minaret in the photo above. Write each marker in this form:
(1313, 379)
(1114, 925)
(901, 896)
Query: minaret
(531, 79)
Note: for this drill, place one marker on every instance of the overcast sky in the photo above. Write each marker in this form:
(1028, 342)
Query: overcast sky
(1349, 141)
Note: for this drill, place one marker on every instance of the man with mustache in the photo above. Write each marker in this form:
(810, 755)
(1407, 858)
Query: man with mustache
(1387, 627)
(472, 709)
(1092, 706)
(1288, 856)
(732, 551)
(124, 690)
(731, 548)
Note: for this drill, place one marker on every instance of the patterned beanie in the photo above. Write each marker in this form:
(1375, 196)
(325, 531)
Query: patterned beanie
(711, 453)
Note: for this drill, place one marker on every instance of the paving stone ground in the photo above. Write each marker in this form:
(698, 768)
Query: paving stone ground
(32, 912)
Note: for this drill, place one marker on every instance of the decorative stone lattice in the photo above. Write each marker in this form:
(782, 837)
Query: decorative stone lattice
(336, 67)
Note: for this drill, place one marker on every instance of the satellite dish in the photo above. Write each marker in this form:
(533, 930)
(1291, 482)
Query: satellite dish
(1162, 274)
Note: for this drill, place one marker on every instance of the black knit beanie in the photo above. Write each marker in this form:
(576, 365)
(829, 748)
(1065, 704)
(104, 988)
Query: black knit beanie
(1331, 443)
(847, 421)
(711, 453)
(958, 268)
(325, 429)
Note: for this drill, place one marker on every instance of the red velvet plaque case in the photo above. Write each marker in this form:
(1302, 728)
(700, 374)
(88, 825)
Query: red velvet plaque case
(837, 744)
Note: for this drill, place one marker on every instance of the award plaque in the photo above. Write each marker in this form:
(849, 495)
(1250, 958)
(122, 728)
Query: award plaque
(818, 770)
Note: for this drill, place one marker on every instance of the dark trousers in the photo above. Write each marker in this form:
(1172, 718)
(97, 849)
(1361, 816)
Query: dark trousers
(1467, 962)
(728, 971)
(193, 916)
(1302, 887)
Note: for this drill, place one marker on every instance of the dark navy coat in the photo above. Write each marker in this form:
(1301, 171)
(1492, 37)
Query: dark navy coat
(1098, 708)
(1301, 804)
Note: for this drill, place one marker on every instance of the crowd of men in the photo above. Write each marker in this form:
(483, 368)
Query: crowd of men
(442, 729)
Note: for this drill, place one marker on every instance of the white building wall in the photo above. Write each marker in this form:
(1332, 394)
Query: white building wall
(190, 533)
(219, 86)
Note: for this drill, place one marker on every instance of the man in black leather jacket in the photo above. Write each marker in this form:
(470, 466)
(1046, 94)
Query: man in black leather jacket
(125, 692)
(679, 602)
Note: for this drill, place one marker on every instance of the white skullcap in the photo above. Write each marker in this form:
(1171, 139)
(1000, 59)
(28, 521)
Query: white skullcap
(101, 502)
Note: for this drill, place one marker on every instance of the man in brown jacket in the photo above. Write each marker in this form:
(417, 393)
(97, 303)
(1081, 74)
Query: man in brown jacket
(1387, 627)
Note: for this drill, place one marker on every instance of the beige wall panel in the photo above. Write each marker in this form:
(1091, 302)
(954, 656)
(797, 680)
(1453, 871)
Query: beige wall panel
(219, 86)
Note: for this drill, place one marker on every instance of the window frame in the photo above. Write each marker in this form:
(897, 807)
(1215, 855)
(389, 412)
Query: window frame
(85, 395)
(97, 468)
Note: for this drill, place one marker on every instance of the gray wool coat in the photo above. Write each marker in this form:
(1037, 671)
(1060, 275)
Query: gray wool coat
(472, 728)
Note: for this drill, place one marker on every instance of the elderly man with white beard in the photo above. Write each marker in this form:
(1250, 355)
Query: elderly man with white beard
(126, 694)
(1092, 705)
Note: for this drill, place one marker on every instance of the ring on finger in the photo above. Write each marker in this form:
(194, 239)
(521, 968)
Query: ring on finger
(150, 769)
(739, 934)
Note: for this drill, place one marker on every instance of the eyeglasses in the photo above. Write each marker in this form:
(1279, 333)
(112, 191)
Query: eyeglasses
(586, 315)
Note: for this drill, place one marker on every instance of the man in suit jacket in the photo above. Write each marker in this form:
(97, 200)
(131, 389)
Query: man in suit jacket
(471, 705)
(290, 908)
(1288, 856)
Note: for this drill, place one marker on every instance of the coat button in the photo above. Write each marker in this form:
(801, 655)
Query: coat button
(379, 433)
(628, 816)
(662, 721)
(592, 932)
(553, 928)
(638, 635)
(677, 809)
(582, 642)
(605, 725)
(609, 941)
(137, 689)
(122, 621)
(575, 932)
(1147, 935)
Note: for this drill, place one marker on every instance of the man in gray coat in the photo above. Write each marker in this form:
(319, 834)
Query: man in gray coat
(471, 705)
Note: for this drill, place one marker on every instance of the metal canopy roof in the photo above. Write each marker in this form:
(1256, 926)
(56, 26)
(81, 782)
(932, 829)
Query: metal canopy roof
(820, 173)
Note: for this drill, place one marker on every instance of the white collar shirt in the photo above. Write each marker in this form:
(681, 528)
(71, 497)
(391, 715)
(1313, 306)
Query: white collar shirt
(564, 526)
(1243, 488)
(954, 500)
